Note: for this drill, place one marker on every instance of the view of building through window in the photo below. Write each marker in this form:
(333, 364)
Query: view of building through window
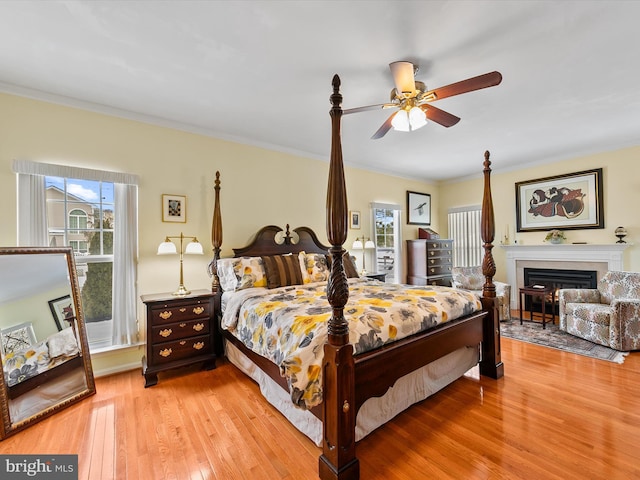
(80, 214)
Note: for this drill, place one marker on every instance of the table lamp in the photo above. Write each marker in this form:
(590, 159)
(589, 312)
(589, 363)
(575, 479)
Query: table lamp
(169, 248)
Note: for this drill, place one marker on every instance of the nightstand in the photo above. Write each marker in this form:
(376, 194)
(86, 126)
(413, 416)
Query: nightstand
(180, 332)
(376, 276)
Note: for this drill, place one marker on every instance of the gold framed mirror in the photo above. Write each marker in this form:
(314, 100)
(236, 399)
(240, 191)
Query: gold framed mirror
(43, 339)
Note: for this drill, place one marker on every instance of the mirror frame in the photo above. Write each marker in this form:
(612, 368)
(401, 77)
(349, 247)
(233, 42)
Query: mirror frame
(8, 428)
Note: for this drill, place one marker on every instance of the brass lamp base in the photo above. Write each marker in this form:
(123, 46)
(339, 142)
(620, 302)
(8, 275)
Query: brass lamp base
(181, 291)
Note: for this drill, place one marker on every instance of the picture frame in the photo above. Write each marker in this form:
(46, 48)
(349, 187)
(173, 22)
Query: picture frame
(418, 208)
(354, 219)
(563, 202)
(62, 310)
(17, 337)
(174, 208)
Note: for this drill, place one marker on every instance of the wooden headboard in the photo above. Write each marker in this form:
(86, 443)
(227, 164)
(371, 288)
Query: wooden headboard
(270, 241)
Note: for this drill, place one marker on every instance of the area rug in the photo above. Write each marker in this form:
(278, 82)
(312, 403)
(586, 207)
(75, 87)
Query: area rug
(552, 337)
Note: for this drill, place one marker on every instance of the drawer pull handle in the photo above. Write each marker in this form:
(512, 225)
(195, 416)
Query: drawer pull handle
(165, 315)
(182, 310)
(166, 352)
(165, 333)
(434, 245)
(433, 270)
(432, 261)
(183, 342)
(198, 310)
(198, 326)
(432, 253)
(182, 325)
(198, 345)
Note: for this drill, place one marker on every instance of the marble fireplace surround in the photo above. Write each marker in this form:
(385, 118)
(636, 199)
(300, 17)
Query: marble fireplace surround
(561, 257)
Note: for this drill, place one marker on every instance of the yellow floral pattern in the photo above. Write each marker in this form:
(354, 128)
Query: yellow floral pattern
(288, 325)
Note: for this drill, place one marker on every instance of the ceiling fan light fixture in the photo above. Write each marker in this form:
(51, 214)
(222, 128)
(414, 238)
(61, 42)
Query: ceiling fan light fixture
(417, 118)
(400, 121)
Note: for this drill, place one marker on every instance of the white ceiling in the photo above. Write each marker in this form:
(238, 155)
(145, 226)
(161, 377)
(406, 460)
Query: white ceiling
(259, 72)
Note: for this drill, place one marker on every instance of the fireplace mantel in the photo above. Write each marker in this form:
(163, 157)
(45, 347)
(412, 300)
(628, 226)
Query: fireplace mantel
(600, 257)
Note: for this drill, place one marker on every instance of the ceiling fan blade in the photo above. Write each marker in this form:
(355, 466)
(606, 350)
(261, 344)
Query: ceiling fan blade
(464, 86)
(366, 108)
(434, 114)
(386, 126)
(403, 77)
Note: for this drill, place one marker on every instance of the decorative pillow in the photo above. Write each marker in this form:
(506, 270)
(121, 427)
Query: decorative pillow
(241, 272)
(349, 263)
(282, 270)
(62, 343)
(19, 366)
(314, 267)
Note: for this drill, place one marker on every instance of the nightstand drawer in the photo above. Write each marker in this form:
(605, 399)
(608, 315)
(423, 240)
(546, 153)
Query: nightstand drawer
(177, 313)
(185, 348)
(175, 331)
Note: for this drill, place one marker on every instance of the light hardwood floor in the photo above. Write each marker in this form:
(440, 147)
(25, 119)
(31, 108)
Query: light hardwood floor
(553, 416)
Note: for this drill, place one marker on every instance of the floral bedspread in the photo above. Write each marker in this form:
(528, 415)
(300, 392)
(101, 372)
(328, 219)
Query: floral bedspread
(288, 325)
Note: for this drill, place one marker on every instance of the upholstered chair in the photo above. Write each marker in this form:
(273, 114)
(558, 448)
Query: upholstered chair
(471, 278)
(608, 315)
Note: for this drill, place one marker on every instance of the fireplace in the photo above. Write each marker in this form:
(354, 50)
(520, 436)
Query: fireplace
(556, 279)
(591, 257)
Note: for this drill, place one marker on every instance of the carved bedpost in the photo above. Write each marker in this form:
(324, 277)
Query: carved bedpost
(216, 236)
(491, 364)
(216, 242)
(338, 459)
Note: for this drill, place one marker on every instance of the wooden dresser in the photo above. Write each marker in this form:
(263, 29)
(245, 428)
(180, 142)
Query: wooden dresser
(180, 332)
(429, 262)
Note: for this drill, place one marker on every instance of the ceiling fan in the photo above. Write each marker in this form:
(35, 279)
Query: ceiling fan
(413, 100)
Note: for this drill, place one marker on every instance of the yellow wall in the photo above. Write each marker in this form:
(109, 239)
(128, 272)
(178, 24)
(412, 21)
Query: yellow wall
(621, 185)
(259, 186)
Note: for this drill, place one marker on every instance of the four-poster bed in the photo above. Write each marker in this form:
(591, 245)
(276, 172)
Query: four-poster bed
(348, 381)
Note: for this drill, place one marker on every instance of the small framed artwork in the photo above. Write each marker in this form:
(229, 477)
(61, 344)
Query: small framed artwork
(354, 220)
(62, 310)
(174, 208)
(418, 208)
(570, 201)
(17, 338)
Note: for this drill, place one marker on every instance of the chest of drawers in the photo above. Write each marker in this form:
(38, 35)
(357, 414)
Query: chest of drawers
(180, 332)
(429, 262)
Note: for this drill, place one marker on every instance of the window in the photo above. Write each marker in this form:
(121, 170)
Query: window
(386, 221)
(94, 212)
(464, 230)
(91, 237)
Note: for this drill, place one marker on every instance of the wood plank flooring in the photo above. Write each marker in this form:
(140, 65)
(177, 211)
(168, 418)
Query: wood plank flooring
(553, 416)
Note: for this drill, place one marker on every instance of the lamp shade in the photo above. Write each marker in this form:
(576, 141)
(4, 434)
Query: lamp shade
(400, 121)
(357, 245)
(194, 248)
(369, 244)
(417, 118)
(167, 248)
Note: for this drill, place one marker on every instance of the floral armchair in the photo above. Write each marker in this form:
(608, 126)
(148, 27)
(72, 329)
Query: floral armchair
(471, 278)
(608, 315)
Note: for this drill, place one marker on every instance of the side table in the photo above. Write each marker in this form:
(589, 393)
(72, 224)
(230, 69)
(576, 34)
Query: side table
(544, 293)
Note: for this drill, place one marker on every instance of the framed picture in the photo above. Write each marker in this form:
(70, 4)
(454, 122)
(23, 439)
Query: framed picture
(62, 309)
(354, 219)
(18, 337)
(174, 208)
(418, 208)
(571, 201)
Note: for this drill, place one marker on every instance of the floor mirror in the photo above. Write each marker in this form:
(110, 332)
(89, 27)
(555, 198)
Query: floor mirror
(43, 340)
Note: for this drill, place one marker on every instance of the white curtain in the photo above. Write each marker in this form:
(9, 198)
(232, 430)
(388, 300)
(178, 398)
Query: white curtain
(464, 230)
(32, 211)
(32, 230)
(125, 258)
